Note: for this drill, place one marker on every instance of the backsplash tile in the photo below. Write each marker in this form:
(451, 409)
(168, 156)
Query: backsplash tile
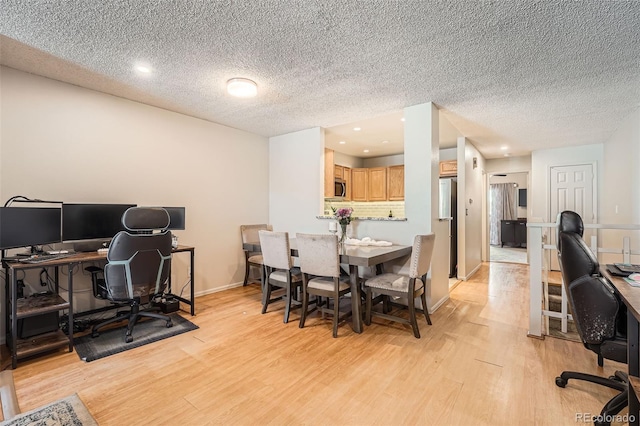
(368, 209)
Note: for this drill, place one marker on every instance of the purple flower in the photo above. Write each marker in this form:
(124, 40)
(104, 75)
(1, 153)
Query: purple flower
(343, 215)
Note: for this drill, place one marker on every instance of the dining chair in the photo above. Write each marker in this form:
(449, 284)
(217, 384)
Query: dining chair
(252, 259)
(320, 266)
(279, 272)
(408, 283)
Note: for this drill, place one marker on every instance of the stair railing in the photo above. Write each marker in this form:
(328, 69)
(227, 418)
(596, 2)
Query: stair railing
(540, 252)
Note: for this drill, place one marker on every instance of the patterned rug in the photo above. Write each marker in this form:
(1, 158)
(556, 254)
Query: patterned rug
(111, 341)
(507, 254)
(69, 411)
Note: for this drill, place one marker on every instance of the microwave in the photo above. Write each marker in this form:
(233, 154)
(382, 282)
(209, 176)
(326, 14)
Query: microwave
(340, 188)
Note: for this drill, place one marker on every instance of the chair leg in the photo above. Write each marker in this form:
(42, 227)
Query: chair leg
(562, 380)
(287, 304)
(367, 317)
(305, 303)
(425, 310)
(336, 314)
(600, 360)
(267, 298)
(412, 317)
(246, 272)
(615, 404)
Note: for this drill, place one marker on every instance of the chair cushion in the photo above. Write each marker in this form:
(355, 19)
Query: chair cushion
(281, 275)
(256, 258)
(326, 284)
(395, 282)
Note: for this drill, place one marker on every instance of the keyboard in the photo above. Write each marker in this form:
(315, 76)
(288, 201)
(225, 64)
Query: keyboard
(628, 268)
(39, 258)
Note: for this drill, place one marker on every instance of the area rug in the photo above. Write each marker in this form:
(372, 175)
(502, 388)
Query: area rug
(64, 412)
(112, 341)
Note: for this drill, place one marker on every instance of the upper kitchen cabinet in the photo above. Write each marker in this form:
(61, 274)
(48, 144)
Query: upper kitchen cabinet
(359, 184)
(395, 183)
(448, 168)
(329, 179)
(377, 184)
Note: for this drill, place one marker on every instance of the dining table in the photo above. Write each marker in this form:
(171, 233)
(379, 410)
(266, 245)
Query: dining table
(354, 256)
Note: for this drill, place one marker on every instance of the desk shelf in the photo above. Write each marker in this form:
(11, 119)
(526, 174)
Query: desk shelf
(38, 305)
(41, 343)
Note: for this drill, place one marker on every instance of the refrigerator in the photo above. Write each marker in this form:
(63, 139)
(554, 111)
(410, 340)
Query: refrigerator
(448, 210)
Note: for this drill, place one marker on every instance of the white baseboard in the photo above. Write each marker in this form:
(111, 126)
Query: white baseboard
(439, 303)
(470, 274)
(219, 289)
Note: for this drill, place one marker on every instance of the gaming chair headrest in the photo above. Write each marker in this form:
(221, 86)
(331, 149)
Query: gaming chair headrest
(568, 221)
(145, 219)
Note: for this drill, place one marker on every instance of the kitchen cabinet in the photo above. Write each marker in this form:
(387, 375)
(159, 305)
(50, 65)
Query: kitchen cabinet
(329, 172)
(513, 232)
(359, 184)
(377, 184)
(395, 183)
(448, 168)
(338, 172)
(346, 176)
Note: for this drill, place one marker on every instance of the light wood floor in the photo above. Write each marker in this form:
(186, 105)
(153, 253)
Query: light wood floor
(474, 366)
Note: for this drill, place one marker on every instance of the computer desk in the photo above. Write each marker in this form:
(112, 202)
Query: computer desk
(631, 298)
(33, 306)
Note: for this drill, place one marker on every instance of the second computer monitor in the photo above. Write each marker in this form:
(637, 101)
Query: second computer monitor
(176, 217)
(92, 221)
(28, 226)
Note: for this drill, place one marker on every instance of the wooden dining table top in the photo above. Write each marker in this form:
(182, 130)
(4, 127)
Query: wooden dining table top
(352, 254)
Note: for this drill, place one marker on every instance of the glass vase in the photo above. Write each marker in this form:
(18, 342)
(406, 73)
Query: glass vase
(343, 233)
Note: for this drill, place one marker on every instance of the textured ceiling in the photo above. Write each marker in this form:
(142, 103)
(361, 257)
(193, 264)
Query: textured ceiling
(527, 74)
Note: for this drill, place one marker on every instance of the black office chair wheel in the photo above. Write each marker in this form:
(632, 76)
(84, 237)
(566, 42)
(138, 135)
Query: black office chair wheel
(560, 382)
(169, 323)
(95, 334)
(128, 338)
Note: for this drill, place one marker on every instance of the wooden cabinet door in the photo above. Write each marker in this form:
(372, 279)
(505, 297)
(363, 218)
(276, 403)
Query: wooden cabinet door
(359, 184)
(377, 184)
(395, 183)
(449, 168)
(329, 178)
(338, 172)
(346, 176)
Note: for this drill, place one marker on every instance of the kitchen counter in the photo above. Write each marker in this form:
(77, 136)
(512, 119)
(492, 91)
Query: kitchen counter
(381, 219)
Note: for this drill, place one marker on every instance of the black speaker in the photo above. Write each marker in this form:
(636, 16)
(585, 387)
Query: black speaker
(38, 324)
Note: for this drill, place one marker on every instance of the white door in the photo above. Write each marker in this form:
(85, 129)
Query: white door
(572, 188)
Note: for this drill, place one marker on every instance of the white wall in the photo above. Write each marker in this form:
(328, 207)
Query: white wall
(520, 179)
(342, 159)
(64, 142)
(509, 164)
(295, 205)
(389, 160)
(296, 179)
(448, 154)
(471, 208)
(543, 160)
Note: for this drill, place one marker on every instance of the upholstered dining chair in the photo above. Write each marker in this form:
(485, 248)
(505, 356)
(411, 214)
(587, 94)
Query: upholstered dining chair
(320, 266)
(252, 259)
(408, 284)
(279, 272)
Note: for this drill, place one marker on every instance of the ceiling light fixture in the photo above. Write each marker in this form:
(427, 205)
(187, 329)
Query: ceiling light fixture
(402, 119)
(357, 129)
(143, 69)
(385, 141)
(242, 87)
(504, 147)
(507, 155)
(366, 150)
(342, 142)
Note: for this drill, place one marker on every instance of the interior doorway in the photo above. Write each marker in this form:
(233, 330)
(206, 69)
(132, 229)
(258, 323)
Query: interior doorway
(507, 216)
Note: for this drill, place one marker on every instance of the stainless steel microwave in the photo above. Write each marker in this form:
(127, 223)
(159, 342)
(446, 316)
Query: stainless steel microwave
(340, 188)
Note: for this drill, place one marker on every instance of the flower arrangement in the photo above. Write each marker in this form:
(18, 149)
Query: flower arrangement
(343, 215)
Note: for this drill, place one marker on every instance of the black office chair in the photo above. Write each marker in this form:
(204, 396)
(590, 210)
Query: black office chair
(598, 313)
(139, 263)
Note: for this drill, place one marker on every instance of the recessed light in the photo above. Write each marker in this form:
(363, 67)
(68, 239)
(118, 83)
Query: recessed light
(504, 147)
(342, 142)
(385, 141)
(242, 87)
(507, 155)
(366, 150)
(143, 69)
(402, 119)
(357, 129)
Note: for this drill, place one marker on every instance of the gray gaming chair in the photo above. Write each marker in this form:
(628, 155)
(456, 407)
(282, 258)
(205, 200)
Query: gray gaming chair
(139, 263)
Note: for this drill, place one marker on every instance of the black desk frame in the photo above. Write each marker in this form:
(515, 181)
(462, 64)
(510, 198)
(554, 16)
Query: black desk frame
(11, 296)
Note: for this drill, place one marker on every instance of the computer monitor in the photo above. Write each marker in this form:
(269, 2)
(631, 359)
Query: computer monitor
(29, 226)
(92, 221)
(176, 217)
